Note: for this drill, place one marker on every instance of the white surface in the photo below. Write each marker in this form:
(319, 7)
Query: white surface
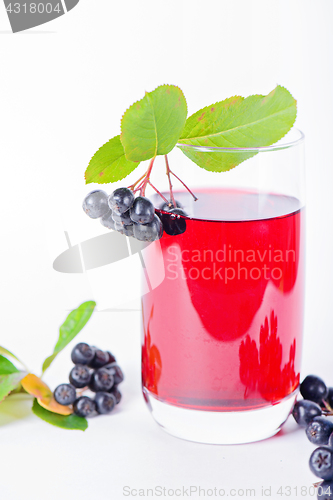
(63, 88)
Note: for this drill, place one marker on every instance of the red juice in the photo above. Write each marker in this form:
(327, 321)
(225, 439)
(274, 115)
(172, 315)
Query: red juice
(223, 331)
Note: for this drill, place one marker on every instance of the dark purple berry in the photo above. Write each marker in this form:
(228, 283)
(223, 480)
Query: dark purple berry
(123, 219)
(95, 204)
(330, 440)
(313, 388)
(117, 394)
(111, 358)
(65, 394)
(304, 411)
(100, 359)
(84, 407)
(101, 380)
(105, 402)
(149, 232)
(319, 430)
(121, 200)
(80, 376)
(116, 372)
(142, 211)
(166, 207)
(82, 354)
(126, 230)
(321, 462)
(325, 490)
(107, 220)
(173, 222)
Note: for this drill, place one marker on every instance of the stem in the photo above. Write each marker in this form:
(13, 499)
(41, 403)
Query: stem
(138, 187)
(135, 183)
(170, 183)
(157, 191)
(328, 407)
(147, 177)
(188, 189)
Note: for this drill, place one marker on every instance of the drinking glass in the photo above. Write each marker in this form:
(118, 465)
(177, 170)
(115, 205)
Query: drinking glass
(222, 332)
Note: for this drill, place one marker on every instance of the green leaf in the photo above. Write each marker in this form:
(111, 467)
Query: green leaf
(152, 126)
(238, 123)
(9, 354)
(73, 324)
(65, 422)
(109, 163)
(9, 382)
(6, 367)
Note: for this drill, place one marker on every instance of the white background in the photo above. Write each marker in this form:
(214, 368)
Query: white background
(63, 89)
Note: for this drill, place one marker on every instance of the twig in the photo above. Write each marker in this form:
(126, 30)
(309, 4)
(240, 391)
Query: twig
(170, 183)
(188, 189)
(157, 191)
(147, 177)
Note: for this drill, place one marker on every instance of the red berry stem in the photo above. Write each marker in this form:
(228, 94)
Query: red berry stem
(188, 189)
(141, 184)
(138, 186)
(132, 186)
(147, 177)
(158, 192)
(329, 410)
(170, 183)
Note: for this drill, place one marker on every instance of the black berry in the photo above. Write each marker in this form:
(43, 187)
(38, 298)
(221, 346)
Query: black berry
(149, 232)
(82, 354)
(126, 230)
(321, 462)
(313, 388)
(105, 402)
(325, 490)
(319, 430)
(111, 359)
(304, 411)
(116, 372)
(101, 380)
(80, 376)
(123, 219)
(173, 223)
(166, 207)
(121, 200)
(100, 359)
(117, 394)
(107, 220)
(95, 204)
(65, 394)
(84, 407)
(330, 440)
(142, 211)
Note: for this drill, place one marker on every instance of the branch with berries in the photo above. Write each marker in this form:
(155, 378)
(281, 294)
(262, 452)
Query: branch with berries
(154, 126)
(311, 412)
(93, 381)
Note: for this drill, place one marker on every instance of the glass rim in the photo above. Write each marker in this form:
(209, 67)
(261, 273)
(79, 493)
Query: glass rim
(274, 147)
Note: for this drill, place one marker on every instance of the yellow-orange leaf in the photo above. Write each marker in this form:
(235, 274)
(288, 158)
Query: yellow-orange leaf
(36, 387)
(52, 405)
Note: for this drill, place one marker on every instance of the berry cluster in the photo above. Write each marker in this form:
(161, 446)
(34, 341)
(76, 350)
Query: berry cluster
(96, 370)
(131, 216)
(311, 413)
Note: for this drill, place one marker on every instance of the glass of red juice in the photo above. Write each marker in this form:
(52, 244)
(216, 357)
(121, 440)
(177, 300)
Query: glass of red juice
(222, 333)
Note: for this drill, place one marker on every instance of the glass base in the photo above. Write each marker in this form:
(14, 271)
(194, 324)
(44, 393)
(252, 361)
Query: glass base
(211, 427)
